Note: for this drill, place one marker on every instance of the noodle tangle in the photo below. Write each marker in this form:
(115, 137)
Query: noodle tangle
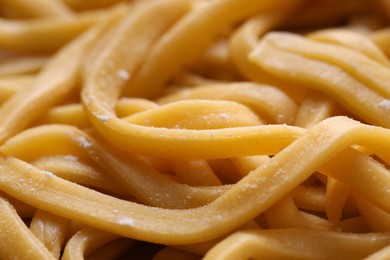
(193, 129)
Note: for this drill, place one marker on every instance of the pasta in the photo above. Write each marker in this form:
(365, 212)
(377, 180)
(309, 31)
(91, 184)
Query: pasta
(189, 129)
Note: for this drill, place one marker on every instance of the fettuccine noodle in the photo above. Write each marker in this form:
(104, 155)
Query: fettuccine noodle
(189, 129)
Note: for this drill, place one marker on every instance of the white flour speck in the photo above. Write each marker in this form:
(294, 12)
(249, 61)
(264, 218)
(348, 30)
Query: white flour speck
(123, 74)
(48, 174)
(127, 221)
(385, 104)
(71, 158)
(89, 100)
(249, 186)
(104, 118)
(224, 116)
(83, 142)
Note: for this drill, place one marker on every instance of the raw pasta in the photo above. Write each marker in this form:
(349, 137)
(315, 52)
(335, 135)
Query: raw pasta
(189, 129)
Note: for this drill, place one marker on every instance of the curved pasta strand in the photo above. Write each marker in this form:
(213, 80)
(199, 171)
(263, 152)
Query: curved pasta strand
(384, 253)
(129, 106)
(354, 225)
(237, 141)
(72, 114)
(297, 244)
(22, 65)
(23, 210)
(77, 170)
(242, 202)
(347, 163)
(17, 79)
(377, 219)
(359, 66)
(246, 164)
(246, 38)
(314, 108)
(215, 62)
(99, 103)
(37, 9)
(337, 195)
(26, 37)
(226, 170)
(11, 86)
(15, 234)
(202, 247)
(51, 230)
(161, 14)
(203, 114)
(265, 100)
(84, 242)
(353, 41)
(285, 214)
(204, 143)
(90, 4)
(190, 80)
(143, 182)
(381, 38)
(333, 81)
(123, 57)
(57, 80)
(195, 173)
(309, 198)
(203, 23)
(113, 250)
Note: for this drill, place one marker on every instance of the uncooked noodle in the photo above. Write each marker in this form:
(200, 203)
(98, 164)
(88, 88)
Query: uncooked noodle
(189, 129)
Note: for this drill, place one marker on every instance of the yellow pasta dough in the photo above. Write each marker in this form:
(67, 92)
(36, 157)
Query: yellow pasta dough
(194, 129)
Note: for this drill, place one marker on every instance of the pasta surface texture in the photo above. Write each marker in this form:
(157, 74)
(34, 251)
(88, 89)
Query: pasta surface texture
(194, 129)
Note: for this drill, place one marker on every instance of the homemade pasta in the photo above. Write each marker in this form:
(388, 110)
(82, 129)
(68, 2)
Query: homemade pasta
(193, 129)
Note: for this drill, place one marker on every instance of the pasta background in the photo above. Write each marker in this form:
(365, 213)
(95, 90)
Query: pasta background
(189, 129)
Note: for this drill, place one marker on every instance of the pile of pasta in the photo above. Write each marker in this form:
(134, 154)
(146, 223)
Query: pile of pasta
(188, 129)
